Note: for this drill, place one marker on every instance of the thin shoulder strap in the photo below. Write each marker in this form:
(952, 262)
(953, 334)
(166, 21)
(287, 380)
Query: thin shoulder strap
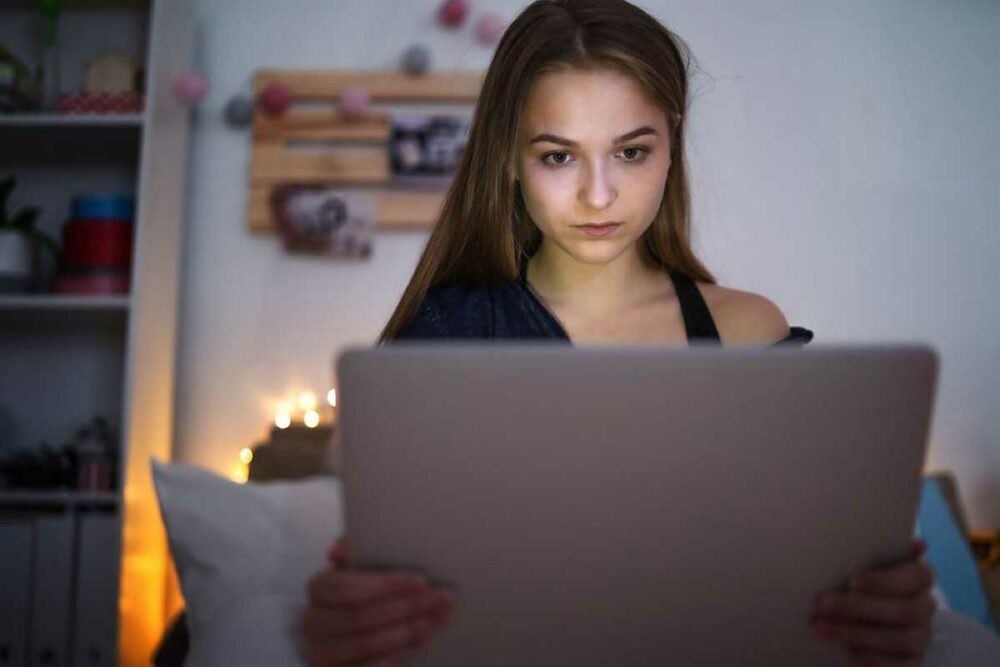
(698, 320)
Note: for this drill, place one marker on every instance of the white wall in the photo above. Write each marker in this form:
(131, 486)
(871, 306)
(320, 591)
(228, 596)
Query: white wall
(845, 158)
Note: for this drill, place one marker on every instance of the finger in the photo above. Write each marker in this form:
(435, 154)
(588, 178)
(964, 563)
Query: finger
(327, 623)
(907, 578)
(894, 642)
(899, 611)
(918, 548)
(339, 544)
(351, 588)
(338, 552)
(378, 645)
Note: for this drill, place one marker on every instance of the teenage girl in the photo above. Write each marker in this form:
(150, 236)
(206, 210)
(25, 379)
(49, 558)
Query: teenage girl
(568, 218)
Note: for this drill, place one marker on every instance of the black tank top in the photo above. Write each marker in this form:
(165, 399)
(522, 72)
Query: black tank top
(513, 310)
(698, 322)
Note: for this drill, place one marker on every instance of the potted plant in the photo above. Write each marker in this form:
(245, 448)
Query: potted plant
(18, 90)
(20, 242)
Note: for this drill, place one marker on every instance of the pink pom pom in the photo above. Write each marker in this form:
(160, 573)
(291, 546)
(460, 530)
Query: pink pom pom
(453, 13)
(489, 28)
(354, 101)
(274, 99)
(190, 87)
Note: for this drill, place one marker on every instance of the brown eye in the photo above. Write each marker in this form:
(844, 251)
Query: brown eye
(562, 155)
(634, 154)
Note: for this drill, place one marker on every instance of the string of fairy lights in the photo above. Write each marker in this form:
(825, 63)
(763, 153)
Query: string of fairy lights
(303, 412)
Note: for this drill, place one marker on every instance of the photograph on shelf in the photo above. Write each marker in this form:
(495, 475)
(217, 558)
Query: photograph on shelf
(424, 150)
(321, 220)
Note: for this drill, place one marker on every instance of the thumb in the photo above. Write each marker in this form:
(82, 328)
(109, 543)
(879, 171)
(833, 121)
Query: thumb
(338, 553)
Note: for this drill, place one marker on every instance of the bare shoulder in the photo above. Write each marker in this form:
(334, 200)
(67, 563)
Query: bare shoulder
(744, 317)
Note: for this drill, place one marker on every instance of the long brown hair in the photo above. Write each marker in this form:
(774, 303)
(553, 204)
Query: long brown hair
(484, 230)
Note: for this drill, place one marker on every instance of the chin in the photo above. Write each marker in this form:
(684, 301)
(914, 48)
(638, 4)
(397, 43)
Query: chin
(596, 252)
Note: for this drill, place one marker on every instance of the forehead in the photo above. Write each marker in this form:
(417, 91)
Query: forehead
(588, 104)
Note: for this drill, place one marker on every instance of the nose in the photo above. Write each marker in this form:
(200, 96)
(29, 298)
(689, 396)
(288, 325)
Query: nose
(598, 190)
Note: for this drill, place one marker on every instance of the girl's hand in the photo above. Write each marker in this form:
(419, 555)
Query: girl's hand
(356, 617)
(884, 617)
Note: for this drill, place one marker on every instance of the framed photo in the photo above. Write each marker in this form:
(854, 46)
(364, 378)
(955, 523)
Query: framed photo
(426, 149)
(321, 220)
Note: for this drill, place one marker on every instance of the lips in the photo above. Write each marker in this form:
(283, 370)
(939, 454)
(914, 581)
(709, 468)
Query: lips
(599, 229)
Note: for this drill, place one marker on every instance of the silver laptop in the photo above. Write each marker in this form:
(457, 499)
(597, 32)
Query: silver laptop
(642, 505)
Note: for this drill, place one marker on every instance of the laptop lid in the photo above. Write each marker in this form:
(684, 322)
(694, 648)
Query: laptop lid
(639, 505)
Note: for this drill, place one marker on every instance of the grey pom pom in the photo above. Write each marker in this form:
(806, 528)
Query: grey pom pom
(416, 60)
(239, 111)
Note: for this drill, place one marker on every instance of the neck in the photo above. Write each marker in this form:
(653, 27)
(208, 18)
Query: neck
(566, 282)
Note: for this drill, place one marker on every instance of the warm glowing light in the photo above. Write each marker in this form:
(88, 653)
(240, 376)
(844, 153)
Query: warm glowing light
(331, 398)
(246, 455)
(240, 473)
(311, 419)
(282, 420)
(307, 401)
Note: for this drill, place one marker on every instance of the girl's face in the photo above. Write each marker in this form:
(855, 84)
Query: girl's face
(592, 149)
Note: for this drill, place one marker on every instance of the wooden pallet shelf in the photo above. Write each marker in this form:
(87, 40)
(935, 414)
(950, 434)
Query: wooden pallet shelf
(318, 147)
(383, 86)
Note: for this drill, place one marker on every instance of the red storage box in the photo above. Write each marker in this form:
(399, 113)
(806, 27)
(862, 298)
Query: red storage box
(95, 243)
(92, 282)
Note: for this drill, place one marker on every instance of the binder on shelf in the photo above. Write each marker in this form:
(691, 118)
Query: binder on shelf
(52, 590)
(15, 582)
(95, 637)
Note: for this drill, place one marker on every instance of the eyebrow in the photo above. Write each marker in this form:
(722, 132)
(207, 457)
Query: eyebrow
(551, 138)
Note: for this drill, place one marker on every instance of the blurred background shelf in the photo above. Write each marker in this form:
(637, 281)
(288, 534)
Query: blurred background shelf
(29, 5)
(51, 120)
(63, 308)
(66, 360)
(69, 144)
(67, 303)
(55, 498)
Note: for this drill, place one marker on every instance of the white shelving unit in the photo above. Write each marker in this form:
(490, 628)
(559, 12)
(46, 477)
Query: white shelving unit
(82, 574)
(15, 303)
(58, 120)
(54, 308)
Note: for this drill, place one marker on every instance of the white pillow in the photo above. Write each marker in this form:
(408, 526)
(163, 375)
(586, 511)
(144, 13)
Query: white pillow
(244, 554)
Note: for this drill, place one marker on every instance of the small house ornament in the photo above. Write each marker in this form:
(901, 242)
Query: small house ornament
(111, 72)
